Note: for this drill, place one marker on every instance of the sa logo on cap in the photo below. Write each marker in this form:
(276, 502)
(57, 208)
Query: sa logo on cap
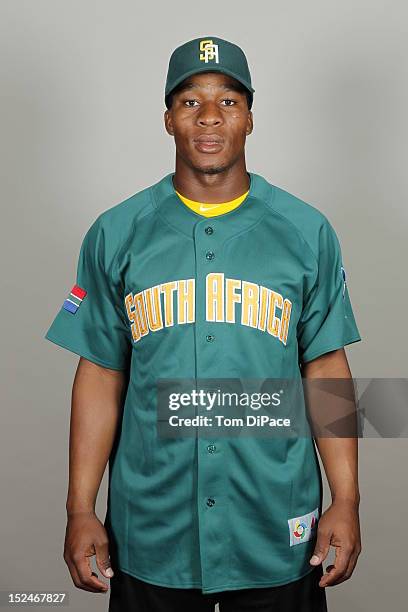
(209, 51)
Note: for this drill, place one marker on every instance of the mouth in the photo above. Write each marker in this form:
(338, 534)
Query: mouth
(210, 143)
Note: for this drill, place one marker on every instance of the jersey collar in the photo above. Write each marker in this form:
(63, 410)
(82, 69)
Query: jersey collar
(174, 212)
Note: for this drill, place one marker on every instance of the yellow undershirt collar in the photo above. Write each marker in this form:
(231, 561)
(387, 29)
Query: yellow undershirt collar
(212, 210)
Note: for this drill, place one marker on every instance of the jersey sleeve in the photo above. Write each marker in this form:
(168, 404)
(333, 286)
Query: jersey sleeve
(327, 321)
(91, 321)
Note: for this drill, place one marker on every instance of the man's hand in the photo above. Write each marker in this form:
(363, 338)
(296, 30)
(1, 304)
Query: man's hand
(86, 536)
(338, 526)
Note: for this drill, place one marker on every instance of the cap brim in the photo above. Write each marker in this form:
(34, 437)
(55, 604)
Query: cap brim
(208, 69)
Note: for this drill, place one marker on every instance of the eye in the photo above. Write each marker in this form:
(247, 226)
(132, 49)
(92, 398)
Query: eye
(187, 102)
(229, 100)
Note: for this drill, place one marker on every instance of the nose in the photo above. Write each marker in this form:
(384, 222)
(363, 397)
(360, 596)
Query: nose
(209, 115)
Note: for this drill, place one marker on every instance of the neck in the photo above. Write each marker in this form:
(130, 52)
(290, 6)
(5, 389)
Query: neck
(212, 188)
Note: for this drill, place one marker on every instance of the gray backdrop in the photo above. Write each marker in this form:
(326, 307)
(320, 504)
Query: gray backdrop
(82, 129)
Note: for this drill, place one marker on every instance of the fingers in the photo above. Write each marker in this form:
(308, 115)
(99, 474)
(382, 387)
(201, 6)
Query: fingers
(322, 547)
(82, 575)
(336, 572)
(344, 564)
(352, 564)
(102, 558)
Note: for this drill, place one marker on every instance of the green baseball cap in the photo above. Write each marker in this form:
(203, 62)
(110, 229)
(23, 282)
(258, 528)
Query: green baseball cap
(208, 53)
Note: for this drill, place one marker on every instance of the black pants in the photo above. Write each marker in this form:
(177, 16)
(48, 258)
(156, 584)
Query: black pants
(129, 594)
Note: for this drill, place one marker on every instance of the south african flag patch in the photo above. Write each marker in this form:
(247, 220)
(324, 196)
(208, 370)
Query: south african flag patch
(74, 299)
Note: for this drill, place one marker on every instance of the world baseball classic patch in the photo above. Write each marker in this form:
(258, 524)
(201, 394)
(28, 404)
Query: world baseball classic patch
(303, 528)
(74, 299)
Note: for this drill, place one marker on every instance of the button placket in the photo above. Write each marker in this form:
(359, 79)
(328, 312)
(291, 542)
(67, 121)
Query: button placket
(211, 486)
(210, 255)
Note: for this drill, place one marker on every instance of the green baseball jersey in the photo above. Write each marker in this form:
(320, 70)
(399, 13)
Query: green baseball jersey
(162, 292)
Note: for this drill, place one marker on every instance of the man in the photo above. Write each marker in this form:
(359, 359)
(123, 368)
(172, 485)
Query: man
(210, 273)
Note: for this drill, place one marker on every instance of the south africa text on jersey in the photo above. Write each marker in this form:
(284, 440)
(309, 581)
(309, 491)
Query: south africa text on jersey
(261, 308)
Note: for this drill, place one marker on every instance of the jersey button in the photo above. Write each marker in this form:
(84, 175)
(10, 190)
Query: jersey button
(210, 255)
(210, 338)
(210, 501)
(209, 230)
(211, 448)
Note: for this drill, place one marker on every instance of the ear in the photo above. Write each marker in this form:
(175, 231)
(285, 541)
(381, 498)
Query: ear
(168, 123)
(250, 123)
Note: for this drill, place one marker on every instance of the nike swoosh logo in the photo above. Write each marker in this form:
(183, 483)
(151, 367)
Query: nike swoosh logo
(205, 208)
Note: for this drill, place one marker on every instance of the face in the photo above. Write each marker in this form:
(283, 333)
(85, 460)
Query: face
(210, 121)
